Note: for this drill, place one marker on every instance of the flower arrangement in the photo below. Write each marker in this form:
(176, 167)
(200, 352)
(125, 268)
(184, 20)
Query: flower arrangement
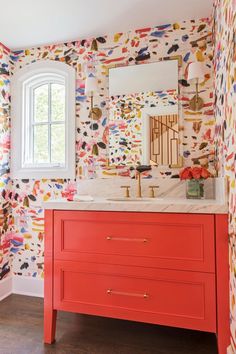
(194, 177)
(195, 172)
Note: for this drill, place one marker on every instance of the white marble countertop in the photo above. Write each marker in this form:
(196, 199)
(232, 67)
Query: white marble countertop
(165, 205)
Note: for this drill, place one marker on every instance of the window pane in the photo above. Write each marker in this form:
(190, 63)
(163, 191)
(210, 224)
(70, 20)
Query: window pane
(58, 143)
(41, 104)
(41, 144)
(58, 102)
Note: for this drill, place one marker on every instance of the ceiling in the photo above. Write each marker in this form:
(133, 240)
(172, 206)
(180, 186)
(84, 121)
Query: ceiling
(30, 23)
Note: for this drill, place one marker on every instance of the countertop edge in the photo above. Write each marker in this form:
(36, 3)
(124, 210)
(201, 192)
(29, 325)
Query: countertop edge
(105, 205)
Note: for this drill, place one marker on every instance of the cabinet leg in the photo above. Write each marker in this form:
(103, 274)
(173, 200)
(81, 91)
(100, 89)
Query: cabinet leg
(50, 315)
(222, 343)
(50, 318)
(222, 282)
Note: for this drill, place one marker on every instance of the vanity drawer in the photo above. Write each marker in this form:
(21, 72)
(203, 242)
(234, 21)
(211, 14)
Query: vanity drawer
(174, 298)
(173, 241)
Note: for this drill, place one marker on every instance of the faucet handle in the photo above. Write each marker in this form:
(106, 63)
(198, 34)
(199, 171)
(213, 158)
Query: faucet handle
(127, 193)
(143, 168)
(152, 192)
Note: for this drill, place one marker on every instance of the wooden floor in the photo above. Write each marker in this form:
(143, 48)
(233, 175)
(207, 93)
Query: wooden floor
(21, 332)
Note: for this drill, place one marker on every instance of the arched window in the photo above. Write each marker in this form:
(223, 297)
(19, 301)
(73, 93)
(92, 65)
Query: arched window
(43, 121)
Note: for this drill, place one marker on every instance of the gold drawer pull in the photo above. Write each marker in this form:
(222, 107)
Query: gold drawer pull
(111, 238)
(123, 293)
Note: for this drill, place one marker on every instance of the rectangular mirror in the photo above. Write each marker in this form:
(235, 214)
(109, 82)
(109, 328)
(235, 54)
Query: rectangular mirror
(144, 118)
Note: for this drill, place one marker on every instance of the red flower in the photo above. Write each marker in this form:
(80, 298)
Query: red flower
(196, 172)
(205, 173)
(186, 173)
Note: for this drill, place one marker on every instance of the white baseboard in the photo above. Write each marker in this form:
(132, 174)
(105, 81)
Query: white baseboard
(5, 287)
(29, 286)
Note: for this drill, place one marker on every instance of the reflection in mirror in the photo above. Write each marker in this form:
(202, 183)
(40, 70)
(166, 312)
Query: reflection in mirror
(143, 119)
(160, 136)
(164, 137)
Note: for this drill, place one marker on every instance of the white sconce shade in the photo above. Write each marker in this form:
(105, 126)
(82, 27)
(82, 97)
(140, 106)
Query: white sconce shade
(91, 86)
(196, 70)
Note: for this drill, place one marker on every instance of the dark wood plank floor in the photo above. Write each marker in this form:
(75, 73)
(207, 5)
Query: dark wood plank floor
(21, 332)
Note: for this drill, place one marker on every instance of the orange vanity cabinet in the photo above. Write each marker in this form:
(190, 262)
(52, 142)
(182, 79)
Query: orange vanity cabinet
(167, 269)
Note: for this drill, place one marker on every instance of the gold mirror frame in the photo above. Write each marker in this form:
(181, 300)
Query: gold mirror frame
(179, 58)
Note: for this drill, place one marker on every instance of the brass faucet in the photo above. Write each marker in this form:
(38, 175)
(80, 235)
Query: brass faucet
(139, 188)
(139, 170)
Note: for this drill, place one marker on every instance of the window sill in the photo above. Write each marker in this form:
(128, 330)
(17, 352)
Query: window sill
(41, 173)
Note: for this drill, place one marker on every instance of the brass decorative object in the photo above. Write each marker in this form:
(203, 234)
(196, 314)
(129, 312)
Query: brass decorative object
(164, 140)
(196, 103)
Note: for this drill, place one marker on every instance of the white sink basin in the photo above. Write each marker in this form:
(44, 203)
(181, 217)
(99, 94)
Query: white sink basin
(123, 199)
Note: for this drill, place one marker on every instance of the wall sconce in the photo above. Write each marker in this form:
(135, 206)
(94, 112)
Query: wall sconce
(196, 72)
(91, 90)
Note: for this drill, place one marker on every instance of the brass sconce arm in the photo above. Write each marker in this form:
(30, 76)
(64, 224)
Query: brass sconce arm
(196, 71)
(196, 103)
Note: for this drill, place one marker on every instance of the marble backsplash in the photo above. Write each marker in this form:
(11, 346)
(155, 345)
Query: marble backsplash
(168, 187)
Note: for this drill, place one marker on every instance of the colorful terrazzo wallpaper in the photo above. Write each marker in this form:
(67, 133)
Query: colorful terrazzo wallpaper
(225, 112)
(192, 40)
(5, 210)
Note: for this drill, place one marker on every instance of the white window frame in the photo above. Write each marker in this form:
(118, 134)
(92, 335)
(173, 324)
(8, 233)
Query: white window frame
(31, 76)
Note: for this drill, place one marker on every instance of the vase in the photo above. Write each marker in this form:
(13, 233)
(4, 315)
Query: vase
(195, 189)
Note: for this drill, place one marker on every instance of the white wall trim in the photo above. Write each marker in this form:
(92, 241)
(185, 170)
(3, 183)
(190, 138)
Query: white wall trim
(19, 113)
(5, 287)
(29, 286)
